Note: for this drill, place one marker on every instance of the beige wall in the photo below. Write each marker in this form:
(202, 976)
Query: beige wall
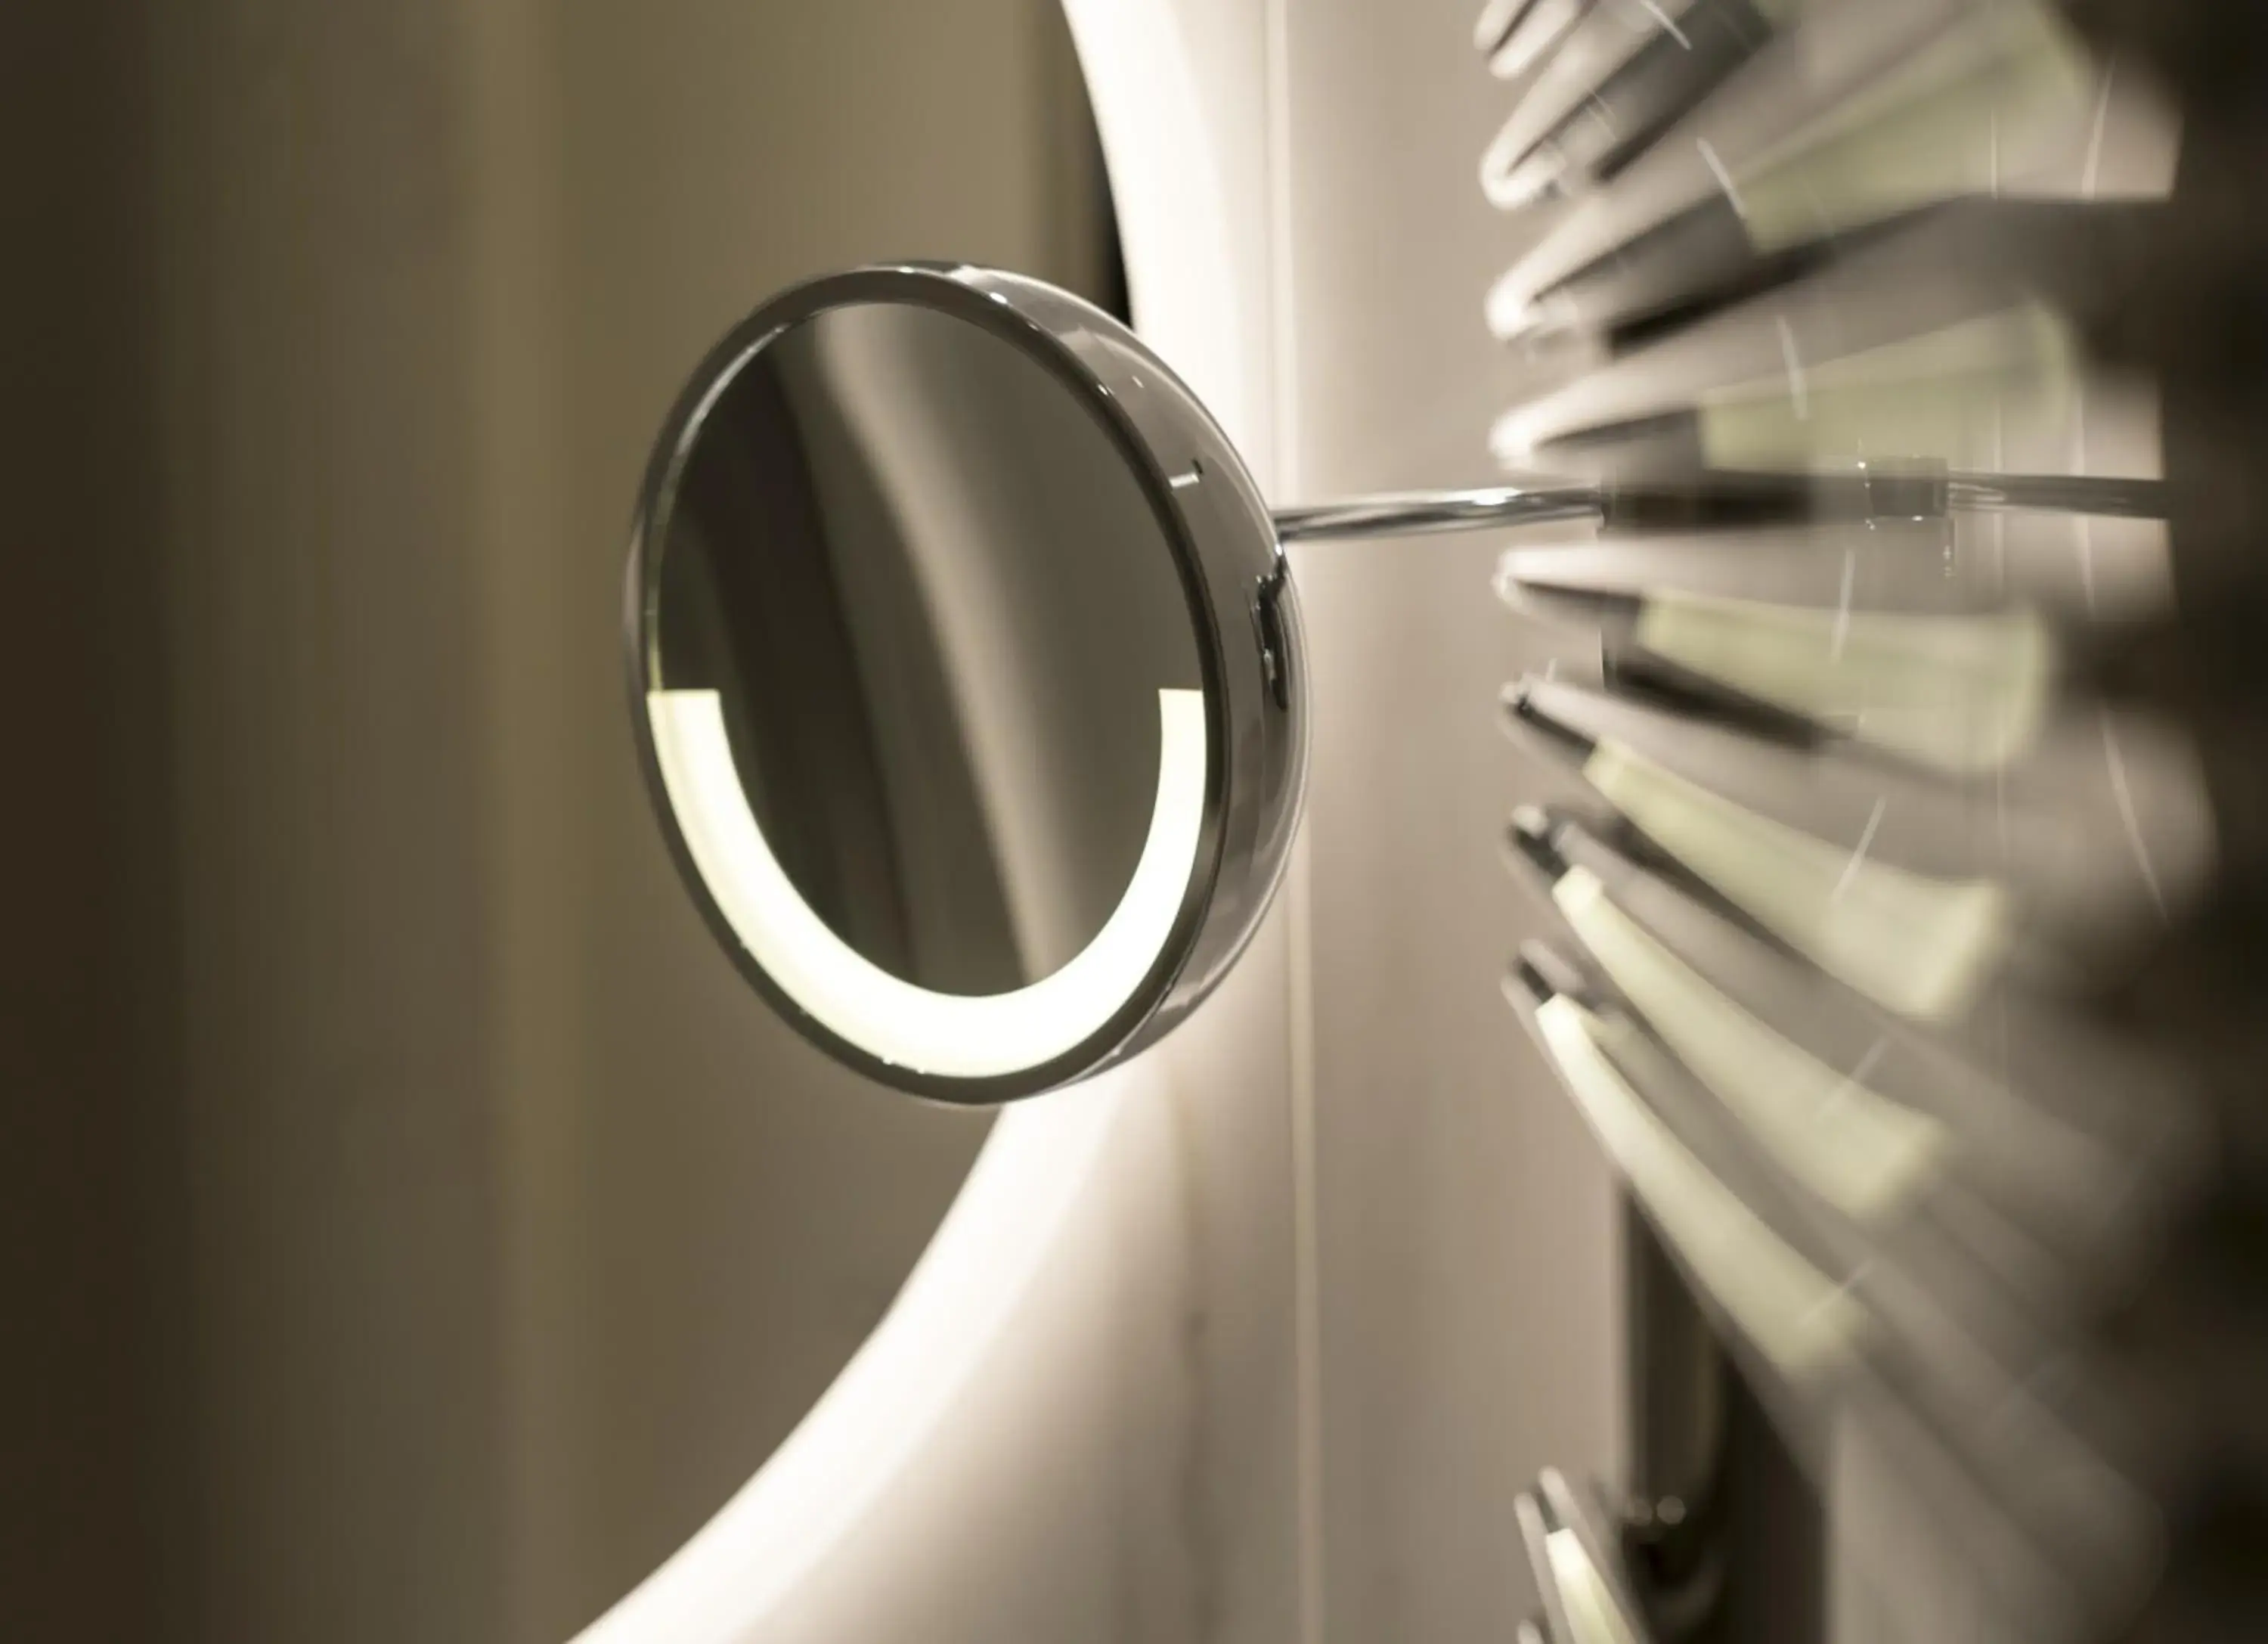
(419, 1230)
(1471, 1323)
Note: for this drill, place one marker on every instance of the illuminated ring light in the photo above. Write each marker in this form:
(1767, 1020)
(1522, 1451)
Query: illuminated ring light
(1232, 755)
(951, 1036)
(952, 1339)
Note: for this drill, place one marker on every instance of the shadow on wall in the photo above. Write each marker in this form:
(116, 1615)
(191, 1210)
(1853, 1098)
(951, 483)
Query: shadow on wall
(415, 1229)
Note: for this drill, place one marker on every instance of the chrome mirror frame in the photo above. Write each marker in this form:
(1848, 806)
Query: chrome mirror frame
(1243, 615)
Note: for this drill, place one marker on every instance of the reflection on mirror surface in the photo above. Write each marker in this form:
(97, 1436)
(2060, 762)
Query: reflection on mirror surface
(930, 602)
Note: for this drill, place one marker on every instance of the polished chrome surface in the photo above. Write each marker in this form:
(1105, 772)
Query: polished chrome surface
(938, 612)
(1503, 507)
(1409, 513)
(2105, 494)
(956, 627)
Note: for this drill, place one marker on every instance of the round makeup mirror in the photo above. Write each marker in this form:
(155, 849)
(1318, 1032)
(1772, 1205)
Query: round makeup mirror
(966, 676)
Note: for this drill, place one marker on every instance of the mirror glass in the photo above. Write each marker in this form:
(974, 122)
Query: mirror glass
(915, 590)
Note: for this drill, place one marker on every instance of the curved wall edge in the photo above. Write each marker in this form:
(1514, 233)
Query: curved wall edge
(1075, 1420)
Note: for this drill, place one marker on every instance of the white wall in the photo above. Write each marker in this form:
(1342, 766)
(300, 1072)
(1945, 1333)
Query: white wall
(1470, 1321)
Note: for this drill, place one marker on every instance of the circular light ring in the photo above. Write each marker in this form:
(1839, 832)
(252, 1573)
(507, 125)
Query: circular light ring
(945, 1034)
(1220, 826)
